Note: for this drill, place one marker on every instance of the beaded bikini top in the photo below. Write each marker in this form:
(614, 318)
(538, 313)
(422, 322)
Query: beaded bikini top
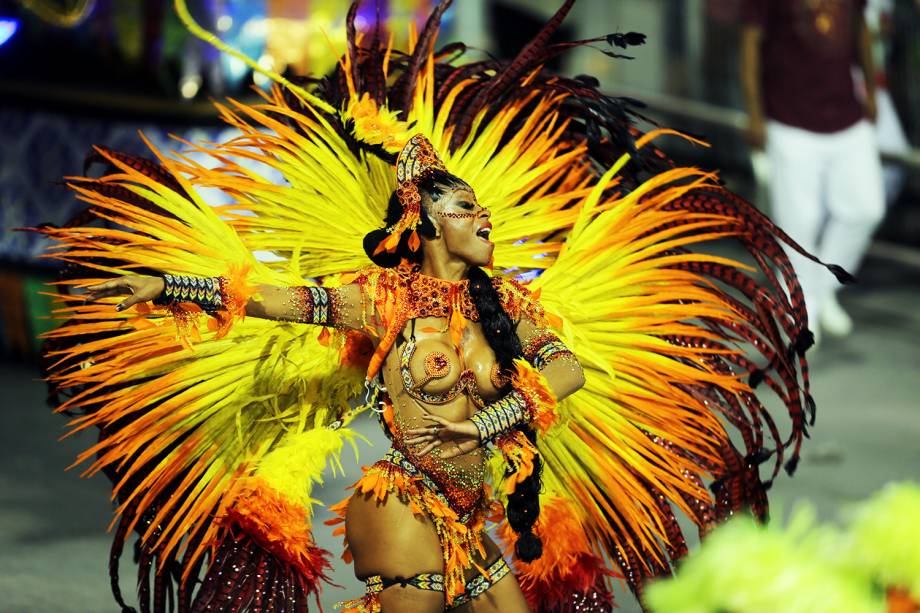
(437, 366)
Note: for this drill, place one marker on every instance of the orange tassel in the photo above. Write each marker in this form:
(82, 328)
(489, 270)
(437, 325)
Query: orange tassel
(457, 320)
(457, 323)
(388, 244)
(414, 241)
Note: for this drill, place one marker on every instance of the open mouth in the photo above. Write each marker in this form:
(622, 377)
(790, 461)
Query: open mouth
(484, 233)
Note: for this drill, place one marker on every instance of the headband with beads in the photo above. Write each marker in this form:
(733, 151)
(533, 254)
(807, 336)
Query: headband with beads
(416, 161)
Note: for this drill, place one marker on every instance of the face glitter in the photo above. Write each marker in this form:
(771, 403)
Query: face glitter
(450, 215)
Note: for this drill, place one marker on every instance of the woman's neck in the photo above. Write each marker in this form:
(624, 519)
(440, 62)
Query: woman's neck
(454, 270)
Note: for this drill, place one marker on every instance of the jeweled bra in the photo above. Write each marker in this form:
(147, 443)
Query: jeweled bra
(434, 297)
(437, 366)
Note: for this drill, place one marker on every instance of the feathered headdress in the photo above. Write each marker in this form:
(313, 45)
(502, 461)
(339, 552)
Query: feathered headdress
(416, 162)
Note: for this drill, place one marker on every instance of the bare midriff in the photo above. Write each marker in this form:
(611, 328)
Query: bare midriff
(468, 372)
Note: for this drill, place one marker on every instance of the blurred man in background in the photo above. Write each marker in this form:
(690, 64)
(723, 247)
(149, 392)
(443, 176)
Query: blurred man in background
(903, 61)
(826, 181)
(888, 127)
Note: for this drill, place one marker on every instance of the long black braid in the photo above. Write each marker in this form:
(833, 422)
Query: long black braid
(523, 506)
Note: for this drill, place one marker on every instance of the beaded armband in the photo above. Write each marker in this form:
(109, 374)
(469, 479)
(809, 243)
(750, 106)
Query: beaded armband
(500, 416)
(313, 304)
(544, 348)
(206, 292)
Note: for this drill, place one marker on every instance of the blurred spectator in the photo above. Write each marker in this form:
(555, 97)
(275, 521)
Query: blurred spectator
(903, 63)
(720, 68)
(888, 127)
(826, 180)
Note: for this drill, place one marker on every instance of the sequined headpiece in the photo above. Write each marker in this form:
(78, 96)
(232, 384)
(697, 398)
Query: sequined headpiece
(416, 161)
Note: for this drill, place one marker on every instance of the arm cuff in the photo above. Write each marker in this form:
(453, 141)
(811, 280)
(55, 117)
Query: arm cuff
(206, 292)
(500, 416)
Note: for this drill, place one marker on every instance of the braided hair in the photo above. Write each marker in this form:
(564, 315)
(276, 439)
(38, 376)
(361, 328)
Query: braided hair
(523, 505)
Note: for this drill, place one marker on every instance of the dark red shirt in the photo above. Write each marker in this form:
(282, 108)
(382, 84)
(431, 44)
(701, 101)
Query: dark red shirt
(808, 50)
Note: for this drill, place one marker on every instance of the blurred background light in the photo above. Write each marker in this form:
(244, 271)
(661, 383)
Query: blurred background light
(8, 28)
(61, 13)
(189, 86)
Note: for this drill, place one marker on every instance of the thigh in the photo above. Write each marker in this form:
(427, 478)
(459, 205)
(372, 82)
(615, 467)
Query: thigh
(386, 538)
(505, 596)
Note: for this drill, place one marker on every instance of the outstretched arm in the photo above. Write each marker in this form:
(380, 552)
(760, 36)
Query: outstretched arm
(341, 307)
(310, 304)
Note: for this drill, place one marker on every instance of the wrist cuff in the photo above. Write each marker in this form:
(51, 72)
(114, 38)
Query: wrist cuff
(206, 292)
(500, 416)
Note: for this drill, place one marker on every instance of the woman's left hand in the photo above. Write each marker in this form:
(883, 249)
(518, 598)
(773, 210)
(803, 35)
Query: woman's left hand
(464, 434)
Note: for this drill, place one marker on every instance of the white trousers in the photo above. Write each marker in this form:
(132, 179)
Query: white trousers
(827, 194)
(890, 136)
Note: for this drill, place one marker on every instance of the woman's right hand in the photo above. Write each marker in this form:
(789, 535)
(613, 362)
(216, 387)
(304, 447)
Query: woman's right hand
(138, 289)
(463, 434)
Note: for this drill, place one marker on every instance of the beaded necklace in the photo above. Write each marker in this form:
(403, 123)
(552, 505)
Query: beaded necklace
(433, 297)
(404, 294)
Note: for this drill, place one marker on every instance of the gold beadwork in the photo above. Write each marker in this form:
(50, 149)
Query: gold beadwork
(416, 161)
(543, 348)
(437, 366)
(460, 478)
(497, 377)
(402, 294)
(451, 215)
(314, 304)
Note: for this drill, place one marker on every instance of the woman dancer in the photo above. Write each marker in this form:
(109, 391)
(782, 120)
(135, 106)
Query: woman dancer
(218, 407)
(447, 400)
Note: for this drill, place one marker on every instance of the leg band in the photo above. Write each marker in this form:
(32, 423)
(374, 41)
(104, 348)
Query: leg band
(480, 584)
(433, 582)
(370, 602)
